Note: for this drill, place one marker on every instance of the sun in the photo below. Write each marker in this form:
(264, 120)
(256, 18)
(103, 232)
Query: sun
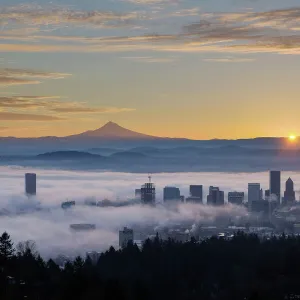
(292, 138)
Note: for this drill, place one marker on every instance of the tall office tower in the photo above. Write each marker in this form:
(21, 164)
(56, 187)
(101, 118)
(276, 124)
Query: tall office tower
(138, 194)
(30, 184)
(236, 198)
(215, 196)
(196, 191)
(289, 193)
(254, 194)
(171, 193)
(267, 195)
(275, 183)
(125, 236)
(148, 193)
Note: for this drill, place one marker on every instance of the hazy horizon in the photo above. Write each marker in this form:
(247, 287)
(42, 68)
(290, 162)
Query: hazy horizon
(145, 133)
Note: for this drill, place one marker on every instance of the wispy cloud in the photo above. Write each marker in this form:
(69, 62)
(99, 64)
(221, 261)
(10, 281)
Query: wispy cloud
(9, 76)
(82, 109)
(53, 104)
(186, 12)
(11, 116)
(276, 31)
(150, 59)
(229, 60)
(9, 72)
(6, 81)
(60, 16)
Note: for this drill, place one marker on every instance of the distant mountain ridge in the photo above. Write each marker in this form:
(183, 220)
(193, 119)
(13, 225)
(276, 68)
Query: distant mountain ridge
(67, 155)
(112, 138)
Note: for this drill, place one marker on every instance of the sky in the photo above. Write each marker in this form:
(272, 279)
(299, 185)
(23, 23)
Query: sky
(179, 68)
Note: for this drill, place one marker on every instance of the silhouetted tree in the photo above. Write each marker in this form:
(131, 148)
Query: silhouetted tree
(244, 267)
(6, 247)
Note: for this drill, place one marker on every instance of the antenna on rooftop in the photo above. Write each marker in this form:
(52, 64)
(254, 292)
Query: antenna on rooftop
(149, 176)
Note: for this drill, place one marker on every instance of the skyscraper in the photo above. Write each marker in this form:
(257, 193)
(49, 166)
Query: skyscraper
(275, 182)
(171, 193)
(148, 193)
(267, 195)
(196, 191)
(289, 193)
(30, 184)
(215, 196)
(254, 193)
(236, 197)
(196, 194)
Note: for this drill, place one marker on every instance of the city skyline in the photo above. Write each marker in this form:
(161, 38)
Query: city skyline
(70, 67)
(215, 197)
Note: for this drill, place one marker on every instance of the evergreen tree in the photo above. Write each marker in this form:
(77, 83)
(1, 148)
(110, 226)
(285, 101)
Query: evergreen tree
(6, 247)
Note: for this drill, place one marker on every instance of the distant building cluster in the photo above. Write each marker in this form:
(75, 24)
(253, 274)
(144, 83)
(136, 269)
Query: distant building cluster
(269, 211)
(258, 200)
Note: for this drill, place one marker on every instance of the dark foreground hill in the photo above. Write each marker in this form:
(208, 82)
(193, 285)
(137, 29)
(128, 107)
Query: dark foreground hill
(244, 267)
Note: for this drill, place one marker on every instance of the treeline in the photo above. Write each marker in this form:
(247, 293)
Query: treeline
(243, 267)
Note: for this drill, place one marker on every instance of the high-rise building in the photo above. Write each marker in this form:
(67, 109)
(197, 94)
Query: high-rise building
(275, 182)
(30, 184)
(267, 194)
(171, 193)
(236, 197)
(182, 198)
(254, 193)
(196, 191)
(125, 236)
(148, 193)
(215, 196)
(289, 193)
(196, 194)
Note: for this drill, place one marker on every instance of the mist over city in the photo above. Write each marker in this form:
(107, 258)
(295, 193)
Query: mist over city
(108, 201)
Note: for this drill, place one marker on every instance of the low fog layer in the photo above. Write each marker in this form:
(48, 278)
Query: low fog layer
(49, 226)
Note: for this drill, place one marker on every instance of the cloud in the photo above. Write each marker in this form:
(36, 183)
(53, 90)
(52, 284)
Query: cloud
(9, 76)
(53, 104)
(279, 19)
(229, 60)
(11, 116)
(275, 31)
(82, 109)
(186, 12)
(9, 72)
(59, 16)
(56, 186)
(6, 81)
(150, 59)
